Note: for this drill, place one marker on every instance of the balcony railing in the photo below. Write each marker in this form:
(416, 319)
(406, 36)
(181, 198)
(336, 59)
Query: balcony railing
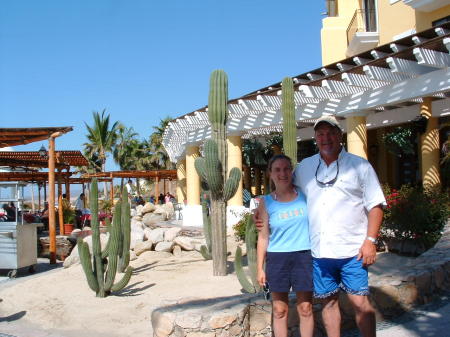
(362, 21)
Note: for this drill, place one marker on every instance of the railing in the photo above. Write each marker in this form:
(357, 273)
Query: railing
(362, 21)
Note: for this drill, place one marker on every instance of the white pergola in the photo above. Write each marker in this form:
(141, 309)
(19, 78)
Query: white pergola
(385, 84)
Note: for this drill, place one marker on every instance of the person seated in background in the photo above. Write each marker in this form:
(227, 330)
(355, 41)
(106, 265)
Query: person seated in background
(44, 215)
(11, 212)
(161, 199)
(152, 199)
(140, 200)
(79, 207)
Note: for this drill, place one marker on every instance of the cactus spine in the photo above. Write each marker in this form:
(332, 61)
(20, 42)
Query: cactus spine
(213, 167)
(289, 124)
(100, 270)
(251, 237)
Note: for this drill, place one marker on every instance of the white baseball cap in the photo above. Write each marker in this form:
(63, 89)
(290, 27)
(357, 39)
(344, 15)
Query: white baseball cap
(327, 119)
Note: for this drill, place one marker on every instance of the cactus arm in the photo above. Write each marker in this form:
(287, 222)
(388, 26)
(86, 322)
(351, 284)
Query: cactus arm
(200, 166)
(245, 283)
(251, 238)
(96, 247)
(289, 123)
(85, 258)
(126, 233)
(232, 184)
(214, 176)
(205, 252)
(124, 281)
(114, 249)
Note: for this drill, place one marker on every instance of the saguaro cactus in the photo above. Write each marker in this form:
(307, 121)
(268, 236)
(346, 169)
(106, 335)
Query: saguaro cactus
(251, 236)
(213, 167)
(289, 124)
(101, 270)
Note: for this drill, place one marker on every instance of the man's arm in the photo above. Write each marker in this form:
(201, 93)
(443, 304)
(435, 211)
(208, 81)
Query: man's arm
(368, 250)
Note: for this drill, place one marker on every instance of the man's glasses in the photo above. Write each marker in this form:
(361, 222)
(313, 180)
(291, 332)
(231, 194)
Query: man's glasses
(266, 291)
(332, 181)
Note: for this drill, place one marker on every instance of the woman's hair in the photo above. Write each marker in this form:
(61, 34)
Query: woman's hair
(278, 157)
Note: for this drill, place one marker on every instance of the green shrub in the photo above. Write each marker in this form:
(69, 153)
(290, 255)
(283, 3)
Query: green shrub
(239, 228)
(415, 214)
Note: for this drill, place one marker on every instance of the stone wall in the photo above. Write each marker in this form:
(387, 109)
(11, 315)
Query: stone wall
(392, 291)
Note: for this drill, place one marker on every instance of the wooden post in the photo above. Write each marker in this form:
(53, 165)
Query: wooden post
(157, 188)
(33, 208)
(111, 191)
(68, 185)
(164, 188)
(45, 191)
(60, 215)
(39, 197)
(51, 201)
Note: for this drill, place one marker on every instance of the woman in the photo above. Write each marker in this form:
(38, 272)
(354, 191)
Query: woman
(283, 244)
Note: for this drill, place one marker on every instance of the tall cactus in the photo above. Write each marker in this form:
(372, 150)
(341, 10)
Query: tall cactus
(251, 237)
(213, 168)
(289, 124)
(101, 270)
(206, 250)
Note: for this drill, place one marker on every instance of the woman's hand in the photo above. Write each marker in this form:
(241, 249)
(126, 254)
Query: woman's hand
(261, 277)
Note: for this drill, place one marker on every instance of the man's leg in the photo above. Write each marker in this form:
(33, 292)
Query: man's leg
(331, 316)
(280, 307)
(326, 287)
(365, 315)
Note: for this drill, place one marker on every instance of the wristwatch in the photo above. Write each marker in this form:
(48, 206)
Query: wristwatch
(371, 239)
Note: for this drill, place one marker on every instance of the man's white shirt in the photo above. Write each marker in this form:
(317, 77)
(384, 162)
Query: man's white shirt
(338, 213)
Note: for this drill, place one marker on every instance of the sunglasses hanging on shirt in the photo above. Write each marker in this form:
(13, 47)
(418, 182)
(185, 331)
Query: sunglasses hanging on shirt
(330, 182)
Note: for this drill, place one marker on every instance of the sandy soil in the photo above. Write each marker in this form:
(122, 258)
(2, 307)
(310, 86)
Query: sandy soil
(60, 303)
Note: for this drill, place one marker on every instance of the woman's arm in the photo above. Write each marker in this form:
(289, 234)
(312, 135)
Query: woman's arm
(263, 242)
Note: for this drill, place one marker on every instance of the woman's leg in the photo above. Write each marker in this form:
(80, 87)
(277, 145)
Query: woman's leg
(305, 313)
(280, 308)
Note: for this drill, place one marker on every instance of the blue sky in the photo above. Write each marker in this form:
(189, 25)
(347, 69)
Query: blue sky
(142, 60)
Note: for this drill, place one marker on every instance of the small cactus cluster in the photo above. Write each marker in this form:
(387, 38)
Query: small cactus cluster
(212, 169)
(100, 268)
(251, 237)
(289, 123)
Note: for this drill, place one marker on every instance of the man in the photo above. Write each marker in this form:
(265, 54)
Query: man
(344, 200)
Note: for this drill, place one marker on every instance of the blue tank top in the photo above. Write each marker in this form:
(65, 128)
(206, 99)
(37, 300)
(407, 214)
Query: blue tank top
(288, 224)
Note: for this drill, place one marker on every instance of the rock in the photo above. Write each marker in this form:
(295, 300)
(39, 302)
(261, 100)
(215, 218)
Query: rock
(147, 208)
(74, 258)
(184, 242)
(147, 232)
(189, 321)
(163, 323)
(136, 218)
(221, 320)
(137, 225)
(133, 212)
(152, 256)
(166, 210)
(157, 235)
(133, 255)
(176, 251)
(143, 247)
(139, 209)
(171, 233)
(151, 219)
(164, 246)
(135, 237)
(75, 232)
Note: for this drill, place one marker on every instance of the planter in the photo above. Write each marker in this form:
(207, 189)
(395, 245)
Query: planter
(68, 228)
(404, 247)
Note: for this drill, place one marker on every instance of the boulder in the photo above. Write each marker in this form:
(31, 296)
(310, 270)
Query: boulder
(148, 208)
(153, 256)
(139, 209)
(171, 233)
(157, 235)
(176, 251)
(133, 212)
(184, 242)
(136, 218)
(143, 247)
(74, 258)
(136, 236)
(152, 218)
(164, 246)
(133, 255)
(147, 232)
(166, 210)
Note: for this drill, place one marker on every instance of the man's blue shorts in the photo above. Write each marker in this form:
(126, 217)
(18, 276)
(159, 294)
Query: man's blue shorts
(289, 270)
(347, 274)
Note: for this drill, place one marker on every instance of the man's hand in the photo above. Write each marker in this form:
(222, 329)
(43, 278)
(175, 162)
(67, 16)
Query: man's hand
(257, 218)
(367, 252)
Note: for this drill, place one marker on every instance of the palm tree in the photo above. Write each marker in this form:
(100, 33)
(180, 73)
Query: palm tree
(124, 147)
(159, 159)
(101, 139)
